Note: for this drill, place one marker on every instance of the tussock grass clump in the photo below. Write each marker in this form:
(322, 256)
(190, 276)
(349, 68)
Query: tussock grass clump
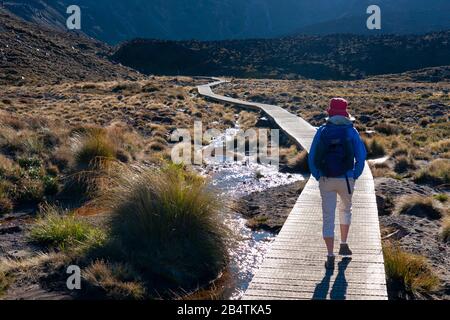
(445, 231)
(407, 274)
(403, 164)
(92, 145)
(295, 160)
(387, 129)
(165, 224)
(114, 281)
(419, 206)
(374, 147)
(299, 162)
(62, 230)
(436, 173)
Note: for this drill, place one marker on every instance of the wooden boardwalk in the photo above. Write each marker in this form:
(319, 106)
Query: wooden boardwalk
(294, 266)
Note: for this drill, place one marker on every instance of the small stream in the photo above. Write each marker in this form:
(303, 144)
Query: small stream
(235, 179)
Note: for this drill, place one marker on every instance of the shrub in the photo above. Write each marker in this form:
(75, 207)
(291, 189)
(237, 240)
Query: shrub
(407, 273)
(114, 280)
(165, 223)
(419, 206)
(59, 229)
(436, 173)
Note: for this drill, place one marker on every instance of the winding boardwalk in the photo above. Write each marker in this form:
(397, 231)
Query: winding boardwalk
(294, 266)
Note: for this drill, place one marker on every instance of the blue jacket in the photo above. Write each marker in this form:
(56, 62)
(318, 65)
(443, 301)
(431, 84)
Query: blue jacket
(358, 146)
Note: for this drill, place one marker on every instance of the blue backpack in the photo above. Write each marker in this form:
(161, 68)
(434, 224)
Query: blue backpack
(335, 155)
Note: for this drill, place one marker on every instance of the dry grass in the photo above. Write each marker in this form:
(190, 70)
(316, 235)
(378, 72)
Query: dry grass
(375, 147)
(436, 173)
(419, 206)
(113, 280)
(5, 282)
(404, 164)
(408, 273)
(92, 145)
(299, 162)
(6, 204)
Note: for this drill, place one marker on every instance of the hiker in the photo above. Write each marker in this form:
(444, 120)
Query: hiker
(336, 160)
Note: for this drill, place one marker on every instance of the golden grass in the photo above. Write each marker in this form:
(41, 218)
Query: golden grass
(93, 145)
(440, 147)
(436, 173)
(419, 206)
(375, 147)
(408, 272)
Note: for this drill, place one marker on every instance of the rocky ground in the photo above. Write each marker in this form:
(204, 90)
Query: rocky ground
(269, 209)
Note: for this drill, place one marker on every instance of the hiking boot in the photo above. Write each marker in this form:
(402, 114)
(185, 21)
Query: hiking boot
(345, 250)
(329, 264)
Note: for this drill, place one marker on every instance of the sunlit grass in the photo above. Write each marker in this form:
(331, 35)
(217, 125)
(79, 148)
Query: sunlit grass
(407, 272)
(436, 173)
(62, 230)
(92, 145)
(166, 225)
(419, 206)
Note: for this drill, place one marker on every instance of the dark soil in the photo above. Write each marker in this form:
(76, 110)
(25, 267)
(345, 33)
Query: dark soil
(269, 209)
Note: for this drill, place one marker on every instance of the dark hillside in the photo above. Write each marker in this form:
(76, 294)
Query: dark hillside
(339, 57)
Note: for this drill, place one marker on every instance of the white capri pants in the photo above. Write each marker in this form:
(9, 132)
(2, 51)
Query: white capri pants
(329, 189)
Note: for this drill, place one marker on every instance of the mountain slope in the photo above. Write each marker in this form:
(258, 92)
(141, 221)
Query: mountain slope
(114, 21)
(339, 57)
(32, 54)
